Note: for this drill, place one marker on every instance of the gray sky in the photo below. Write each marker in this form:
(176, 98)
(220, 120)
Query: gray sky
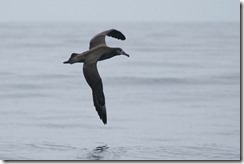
(119, 10)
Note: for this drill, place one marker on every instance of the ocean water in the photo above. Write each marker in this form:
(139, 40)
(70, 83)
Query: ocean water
(176, 98)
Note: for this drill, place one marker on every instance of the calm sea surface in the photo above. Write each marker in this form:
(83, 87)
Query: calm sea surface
(176, 98)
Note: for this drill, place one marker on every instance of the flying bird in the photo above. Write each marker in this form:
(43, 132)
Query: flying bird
(98, 50)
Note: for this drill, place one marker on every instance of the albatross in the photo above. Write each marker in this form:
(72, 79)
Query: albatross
(98, 50)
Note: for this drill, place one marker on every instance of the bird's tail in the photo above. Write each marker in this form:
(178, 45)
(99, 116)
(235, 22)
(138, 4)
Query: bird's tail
(66, 62)
(71, 61)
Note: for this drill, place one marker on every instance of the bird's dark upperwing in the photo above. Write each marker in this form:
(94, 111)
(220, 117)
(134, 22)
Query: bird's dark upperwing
(95, 82)
(99, 39)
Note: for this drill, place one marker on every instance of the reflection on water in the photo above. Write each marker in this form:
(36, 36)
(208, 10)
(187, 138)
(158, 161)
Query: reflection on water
(98, 153)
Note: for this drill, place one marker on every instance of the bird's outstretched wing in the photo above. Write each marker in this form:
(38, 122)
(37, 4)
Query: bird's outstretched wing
(95, 82)
(99, 39)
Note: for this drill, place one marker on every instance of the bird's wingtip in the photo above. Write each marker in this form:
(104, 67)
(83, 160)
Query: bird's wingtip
(104, 115)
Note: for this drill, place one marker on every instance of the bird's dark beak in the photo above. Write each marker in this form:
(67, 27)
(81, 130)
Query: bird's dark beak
(66, 62)
(123, 53)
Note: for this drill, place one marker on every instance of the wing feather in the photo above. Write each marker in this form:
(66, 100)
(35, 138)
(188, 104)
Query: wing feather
(95, 82)
(99, 39)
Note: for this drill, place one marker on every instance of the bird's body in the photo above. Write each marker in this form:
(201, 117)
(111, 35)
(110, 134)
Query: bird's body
(98, 51)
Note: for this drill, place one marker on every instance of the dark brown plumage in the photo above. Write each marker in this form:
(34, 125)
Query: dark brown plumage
(98, 50)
